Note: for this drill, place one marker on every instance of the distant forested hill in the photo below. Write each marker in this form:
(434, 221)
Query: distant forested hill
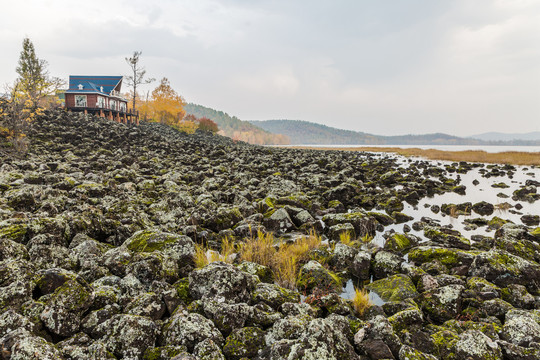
(497, 136)
(305, 132)
(235, 128)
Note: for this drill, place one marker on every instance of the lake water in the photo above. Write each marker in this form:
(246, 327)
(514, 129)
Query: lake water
(478, 188)
(489, 149)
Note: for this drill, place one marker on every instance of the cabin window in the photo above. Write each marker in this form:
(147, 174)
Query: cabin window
(123, 106)
(80, 100)
(112, 104)
(100, 102)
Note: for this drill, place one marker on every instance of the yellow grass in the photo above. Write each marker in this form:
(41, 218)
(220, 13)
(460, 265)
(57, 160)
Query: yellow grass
(366, 238)
(345, 238)
(260, 249)
(283, 259)
(509, 157)
(361, 301)
(203, 257)
(200, 258)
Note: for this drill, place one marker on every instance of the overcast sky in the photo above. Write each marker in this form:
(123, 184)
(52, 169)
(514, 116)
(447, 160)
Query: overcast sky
(379, 66)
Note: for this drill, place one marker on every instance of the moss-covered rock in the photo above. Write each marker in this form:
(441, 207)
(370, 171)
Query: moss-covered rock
(473, 344)
(15, 232)
(62, 313)
(443, 303)
(273, 295)
(394, 288)
(164, 352)
(410, 353)
(401, 243)
(448, 257)
(264, 273)
(244, 343)
(314, 275)
(503, 268)
(189, 329)
(219, 279)
(385, 263)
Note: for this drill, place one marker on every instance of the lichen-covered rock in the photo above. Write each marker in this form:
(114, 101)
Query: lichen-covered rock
(226, 317)
(189, 329)
(244, 343)
(402, 320)
(447, 238)
(385, 263)
(22, 345)
(128, 335)
(323, 339)
(343, 257)
(377, 338)
(483, 208)
(62, 313)
(335, 231)
(401, 243)
(409, 353)
(263, 272)
(516, 352)
(363, 223)
(475, 345)
(518, 296)
(495, 307)
(314, 275)
(279, 221)
(361, 265)
(14, 232)
(165, 352)
(208, 350)
(288, 328)
(219, 279)
(443, 303)
(503, 269)
(273, 295)
(394, 288)
(449, 257)
(147, 304)
(178, 247)
(521, 328)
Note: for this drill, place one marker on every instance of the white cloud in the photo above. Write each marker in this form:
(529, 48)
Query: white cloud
(382, 67)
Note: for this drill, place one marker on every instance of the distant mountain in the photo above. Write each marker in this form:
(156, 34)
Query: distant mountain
(308, 133)
(497, 136)
(235, 128)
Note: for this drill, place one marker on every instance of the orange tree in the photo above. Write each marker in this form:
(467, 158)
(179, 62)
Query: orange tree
(205, 124)
(165, 105)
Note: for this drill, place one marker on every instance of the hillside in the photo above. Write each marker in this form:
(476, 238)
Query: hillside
(235, 128)
(497, 136)
(305, 132)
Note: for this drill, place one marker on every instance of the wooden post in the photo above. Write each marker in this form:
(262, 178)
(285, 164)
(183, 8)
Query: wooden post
(101, 113)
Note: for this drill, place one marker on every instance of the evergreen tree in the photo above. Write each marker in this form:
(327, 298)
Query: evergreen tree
(33, 82)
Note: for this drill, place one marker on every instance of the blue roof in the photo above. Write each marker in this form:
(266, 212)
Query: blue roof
(94, 84)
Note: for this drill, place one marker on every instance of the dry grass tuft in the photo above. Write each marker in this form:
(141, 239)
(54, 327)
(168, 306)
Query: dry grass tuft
(200, 258)
(203, 256)
(361, 301)
(345, 238)
(260, 249)
(366, 239)
(281, 257)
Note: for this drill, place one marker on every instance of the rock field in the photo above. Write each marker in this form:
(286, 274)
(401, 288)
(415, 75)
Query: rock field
(100, 221)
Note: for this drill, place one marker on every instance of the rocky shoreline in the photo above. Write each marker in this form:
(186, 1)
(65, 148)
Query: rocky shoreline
(100, 224)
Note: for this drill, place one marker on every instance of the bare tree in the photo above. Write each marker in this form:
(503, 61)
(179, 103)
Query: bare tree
(137, 78)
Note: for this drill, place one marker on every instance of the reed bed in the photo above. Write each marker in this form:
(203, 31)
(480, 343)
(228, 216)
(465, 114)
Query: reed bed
(509, 157)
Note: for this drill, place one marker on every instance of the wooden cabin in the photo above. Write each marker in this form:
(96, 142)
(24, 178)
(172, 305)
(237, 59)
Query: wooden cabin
(101, 96)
